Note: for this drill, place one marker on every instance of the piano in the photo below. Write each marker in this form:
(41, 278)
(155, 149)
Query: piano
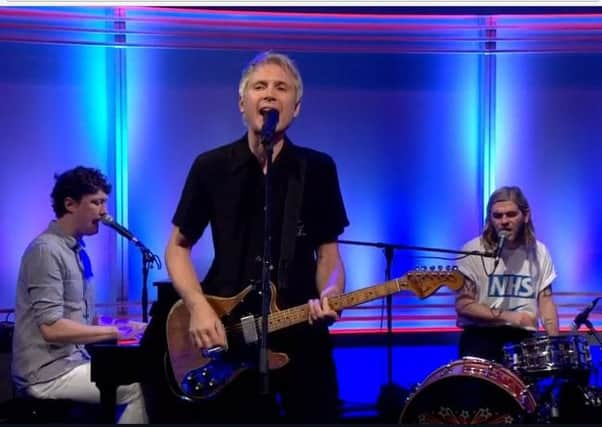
(114, 364)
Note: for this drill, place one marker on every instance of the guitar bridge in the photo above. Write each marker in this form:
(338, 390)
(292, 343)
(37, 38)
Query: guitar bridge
(212, 352)
(249, 330)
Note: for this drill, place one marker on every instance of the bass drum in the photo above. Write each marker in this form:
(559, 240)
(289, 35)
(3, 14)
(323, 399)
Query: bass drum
(470, 391)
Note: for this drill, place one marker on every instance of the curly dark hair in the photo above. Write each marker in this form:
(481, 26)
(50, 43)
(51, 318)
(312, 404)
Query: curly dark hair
(76, 183)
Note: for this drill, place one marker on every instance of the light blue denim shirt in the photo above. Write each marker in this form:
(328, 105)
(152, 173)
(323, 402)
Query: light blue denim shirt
(51, 286)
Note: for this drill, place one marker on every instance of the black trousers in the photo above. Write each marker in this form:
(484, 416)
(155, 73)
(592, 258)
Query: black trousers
(488, 342)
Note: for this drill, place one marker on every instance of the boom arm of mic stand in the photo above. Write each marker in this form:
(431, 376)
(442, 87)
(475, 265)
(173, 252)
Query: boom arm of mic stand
(417, 248)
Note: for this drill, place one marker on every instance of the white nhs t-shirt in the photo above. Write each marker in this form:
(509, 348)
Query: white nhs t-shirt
(517, 281)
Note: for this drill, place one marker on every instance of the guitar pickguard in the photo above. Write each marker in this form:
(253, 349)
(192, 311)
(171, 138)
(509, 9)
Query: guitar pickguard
(206, 382)
(223, 367)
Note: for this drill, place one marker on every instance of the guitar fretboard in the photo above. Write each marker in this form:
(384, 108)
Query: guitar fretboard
(284, 318)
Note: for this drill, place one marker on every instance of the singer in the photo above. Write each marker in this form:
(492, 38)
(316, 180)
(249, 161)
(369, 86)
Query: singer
(225, 191)
(55, 301)
(502, 297)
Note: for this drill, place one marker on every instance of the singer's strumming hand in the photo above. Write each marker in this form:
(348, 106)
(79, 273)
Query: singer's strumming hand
(206, 329)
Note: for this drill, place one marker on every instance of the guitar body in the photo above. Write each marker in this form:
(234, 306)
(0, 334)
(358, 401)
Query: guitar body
(203, 376)
(199, 376)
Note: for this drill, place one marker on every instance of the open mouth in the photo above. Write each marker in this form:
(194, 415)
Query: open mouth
(264, 110)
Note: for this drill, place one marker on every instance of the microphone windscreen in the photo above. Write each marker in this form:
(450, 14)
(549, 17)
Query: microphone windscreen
(270, 120)
(271, 116)
(503, 234)
(107, 219)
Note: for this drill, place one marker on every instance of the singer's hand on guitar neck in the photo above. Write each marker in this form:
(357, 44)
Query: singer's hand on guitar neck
(206, 329)
(320, 310)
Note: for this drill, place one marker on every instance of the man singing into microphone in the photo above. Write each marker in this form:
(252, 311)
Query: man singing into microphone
(225, 190)
(54, 310)
(502, 296)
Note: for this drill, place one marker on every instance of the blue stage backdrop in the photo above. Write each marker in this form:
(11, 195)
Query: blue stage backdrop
(425, 114)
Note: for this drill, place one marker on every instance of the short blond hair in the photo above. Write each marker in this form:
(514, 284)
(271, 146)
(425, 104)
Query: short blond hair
(269, 57)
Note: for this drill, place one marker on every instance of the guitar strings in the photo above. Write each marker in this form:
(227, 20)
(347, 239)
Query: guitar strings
(234, 329)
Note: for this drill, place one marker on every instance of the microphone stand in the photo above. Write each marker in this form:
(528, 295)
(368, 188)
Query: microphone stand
(268, 143)
(391, 395)
(390, 400)
(148, 260)
(593, 331)
(578, 322)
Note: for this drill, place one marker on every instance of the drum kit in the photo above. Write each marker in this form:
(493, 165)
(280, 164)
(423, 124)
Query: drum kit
(543, 380)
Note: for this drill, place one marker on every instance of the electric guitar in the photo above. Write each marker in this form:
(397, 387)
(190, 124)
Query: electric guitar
(196, 374)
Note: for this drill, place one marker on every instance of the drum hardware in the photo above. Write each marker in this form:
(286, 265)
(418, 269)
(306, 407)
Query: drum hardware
(579, 404)
(547, 398)
(446, 370)
(583, 317)
(592, 398)
(557, 371)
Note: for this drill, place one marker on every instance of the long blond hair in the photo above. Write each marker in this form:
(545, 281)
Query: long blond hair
(512, 194)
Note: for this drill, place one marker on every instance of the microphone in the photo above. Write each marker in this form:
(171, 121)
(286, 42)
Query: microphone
(502, 236)
(582, 318)
(270, 120)
(110, 222)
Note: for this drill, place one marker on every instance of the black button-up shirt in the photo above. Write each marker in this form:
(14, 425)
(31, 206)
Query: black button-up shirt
(225, 189)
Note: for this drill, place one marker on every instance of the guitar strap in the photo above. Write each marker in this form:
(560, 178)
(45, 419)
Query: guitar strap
(292, 213)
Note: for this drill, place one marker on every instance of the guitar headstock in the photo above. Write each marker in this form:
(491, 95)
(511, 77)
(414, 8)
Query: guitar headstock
(424, 282)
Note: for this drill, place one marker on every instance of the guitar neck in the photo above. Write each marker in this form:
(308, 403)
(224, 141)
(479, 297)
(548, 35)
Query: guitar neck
(299, 314)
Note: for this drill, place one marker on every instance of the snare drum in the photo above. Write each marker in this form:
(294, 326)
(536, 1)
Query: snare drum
(469, 391)
(561, 355)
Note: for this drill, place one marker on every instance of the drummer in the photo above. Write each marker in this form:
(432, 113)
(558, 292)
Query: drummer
(503, 297)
